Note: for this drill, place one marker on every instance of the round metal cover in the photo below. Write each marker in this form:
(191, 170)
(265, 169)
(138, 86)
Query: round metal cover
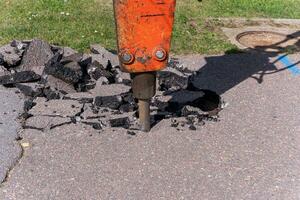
(268, 41)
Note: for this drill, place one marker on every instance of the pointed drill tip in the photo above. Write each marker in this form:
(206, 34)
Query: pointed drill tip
(144, 115)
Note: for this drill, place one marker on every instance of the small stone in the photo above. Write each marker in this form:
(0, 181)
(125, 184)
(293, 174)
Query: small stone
(190, 110)
(25, 144)
(192, 127)
(97, 126)
(19, 45)
(77, 119)
(131, 133)
(174, 123)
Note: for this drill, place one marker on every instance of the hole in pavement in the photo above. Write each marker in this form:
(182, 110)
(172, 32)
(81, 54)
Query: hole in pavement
(268, 41)
(210, 101)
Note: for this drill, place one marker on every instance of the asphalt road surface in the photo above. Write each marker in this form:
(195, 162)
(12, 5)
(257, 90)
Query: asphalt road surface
(253, 152)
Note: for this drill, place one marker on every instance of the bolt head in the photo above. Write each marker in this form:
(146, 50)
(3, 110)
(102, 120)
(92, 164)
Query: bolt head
(160, 54)
(127, 57)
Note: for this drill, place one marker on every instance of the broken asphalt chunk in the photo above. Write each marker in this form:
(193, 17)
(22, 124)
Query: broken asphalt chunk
(19, 77)
(59, 85)
(77, 57)
(36, 56)
(67, 51)
(30, 89)
(172, 80)
(190, 110)
(112, 102)
(10, 56)
(96, 71)
(123, 122)
(70, 72)
(106, 56)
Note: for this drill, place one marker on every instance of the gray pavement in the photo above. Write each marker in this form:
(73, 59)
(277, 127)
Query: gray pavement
(253, 152)
(10, 106)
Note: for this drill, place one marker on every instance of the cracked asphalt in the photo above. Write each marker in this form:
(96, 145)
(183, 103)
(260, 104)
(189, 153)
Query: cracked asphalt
(10, 106)
(253, 152)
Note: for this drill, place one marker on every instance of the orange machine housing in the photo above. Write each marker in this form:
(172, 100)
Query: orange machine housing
(144, 30)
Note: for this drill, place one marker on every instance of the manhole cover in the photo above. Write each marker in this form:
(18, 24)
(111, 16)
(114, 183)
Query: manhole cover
(268, 41)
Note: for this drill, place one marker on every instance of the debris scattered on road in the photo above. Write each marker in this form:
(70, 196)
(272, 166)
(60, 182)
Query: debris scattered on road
(62, 86)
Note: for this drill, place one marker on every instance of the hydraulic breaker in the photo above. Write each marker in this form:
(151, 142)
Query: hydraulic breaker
(144, 30)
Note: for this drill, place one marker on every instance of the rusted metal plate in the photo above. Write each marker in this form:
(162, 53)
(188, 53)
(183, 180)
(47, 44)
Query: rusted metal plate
(144, 29)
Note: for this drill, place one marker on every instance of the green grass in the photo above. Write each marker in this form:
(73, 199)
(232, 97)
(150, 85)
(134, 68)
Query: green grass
(78, 23)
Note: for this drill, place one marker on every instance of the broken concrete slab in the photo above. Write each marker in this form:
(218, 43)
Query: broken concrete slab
(36, 56)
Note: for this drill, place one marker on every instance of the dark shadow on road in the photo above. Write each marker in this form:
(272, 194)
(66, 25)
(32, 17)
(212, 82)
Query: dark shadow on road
(221, 73)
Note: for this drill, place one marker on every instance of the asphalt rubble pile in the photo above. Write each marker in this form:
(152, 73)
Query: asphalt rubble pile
(62, 86)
